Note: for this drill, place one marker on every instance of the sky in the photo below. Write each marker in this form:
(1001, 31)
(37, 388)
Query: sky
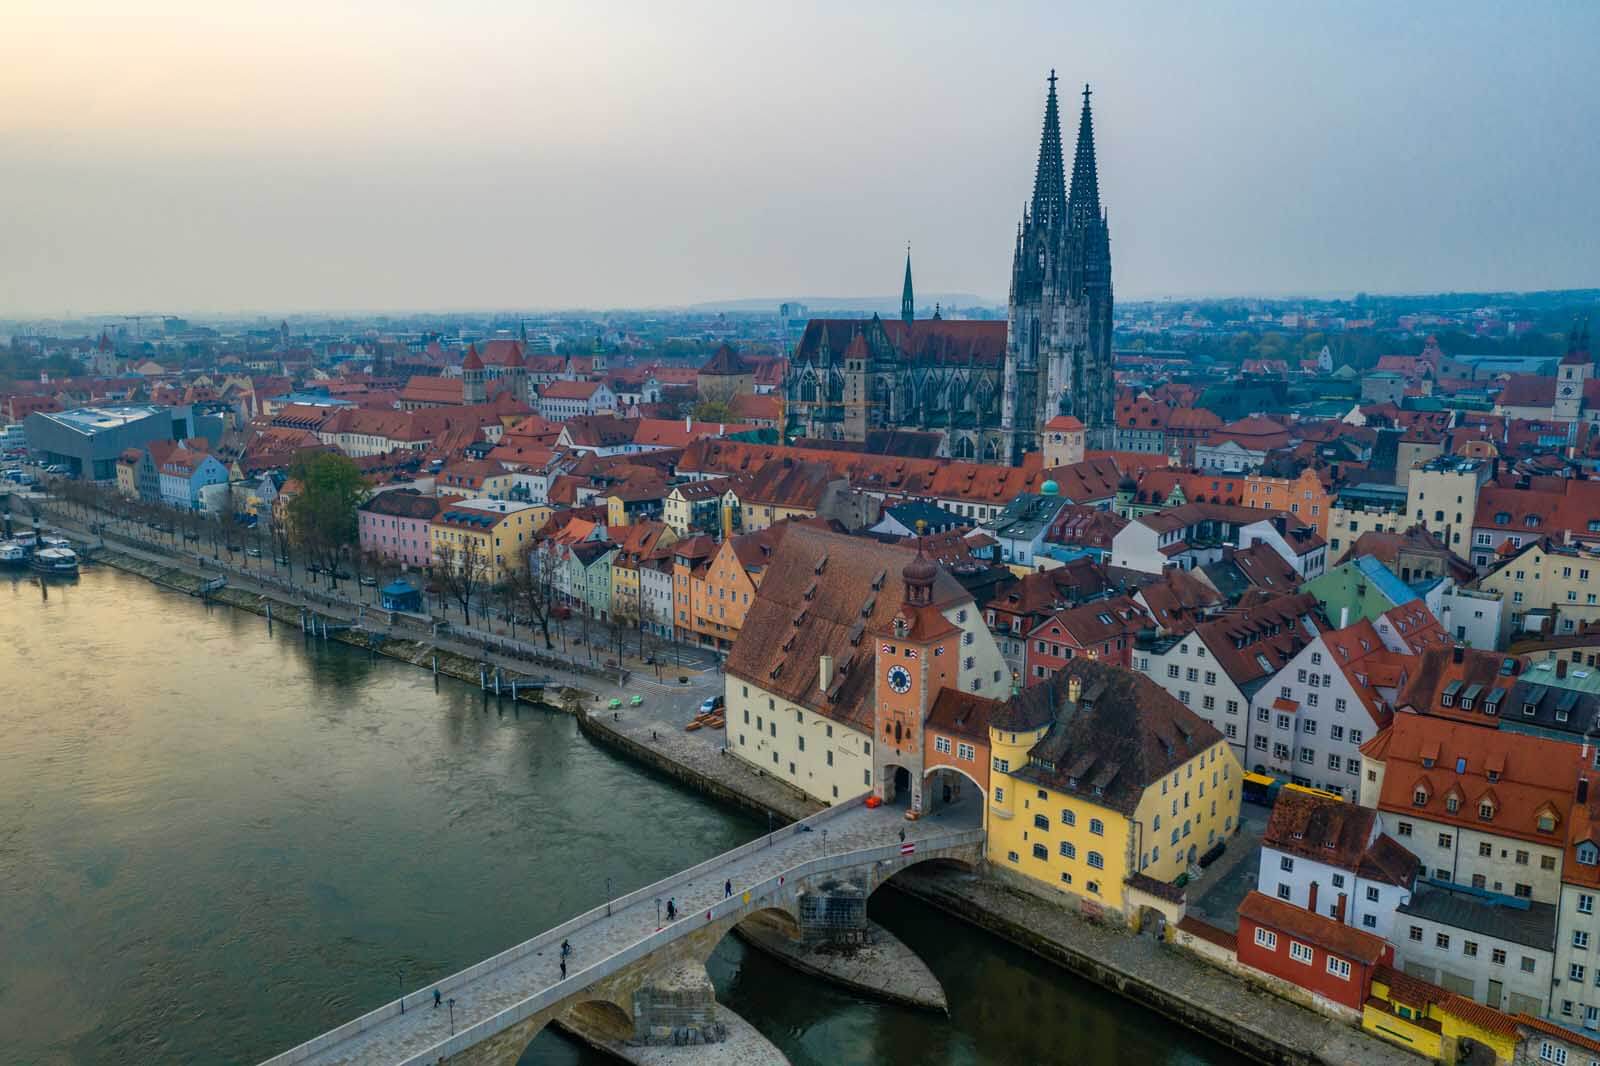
(478, 154)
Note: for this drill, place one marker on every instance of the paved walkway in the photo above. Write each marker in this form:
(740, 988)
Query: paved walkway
(600, 937)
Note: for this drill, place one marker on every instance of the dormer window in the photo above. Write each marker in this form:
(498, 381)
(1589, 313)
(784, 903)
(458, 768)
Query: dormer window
(1461, 764)
(1588, 854)
(1547, 822)
(1452, 804)
(1419, 798)
(1486, 811)
(1494, 775)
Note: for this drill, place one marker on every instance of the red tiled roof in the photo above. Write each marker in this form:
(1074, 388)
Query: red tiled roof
(1330, 935)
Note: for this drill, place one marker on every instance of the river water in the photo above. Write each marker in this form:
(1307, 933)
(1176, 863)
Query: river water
(216, 843)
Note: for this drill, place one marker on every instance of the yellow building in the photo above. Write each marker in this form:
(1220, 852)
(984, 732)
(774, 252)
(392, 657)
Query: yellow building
(493, 536)
(1433, 1021)
(128, 473)
(1099, 776)
(1548, 579)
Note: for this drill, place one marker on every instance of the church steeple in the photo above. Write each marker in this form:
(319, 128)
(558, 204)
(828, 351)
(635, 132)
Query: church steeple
(908, 303)
(1049, 180)
(1083, 206)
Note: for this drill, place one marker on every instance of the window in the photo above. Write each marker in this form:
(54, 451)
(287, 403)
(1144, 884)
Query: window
(1286, 864)
(1404, 829)
(1585, 903)
(1040, 852)
(1485, 850)
(1580, 938)
(965, 752)
(1172, 670)
(1469, 948)
(1097, 827)
(1445, 840)
(1554, 1053)
(1284, 892)
(999, 794)
(1339, 968)
(1441, 941)
(1002, 766)
(1068, 851)
(1416, 933)
(1308, 727)
(1372, 894)
(1528, 964)
(1300, 952)
(1041, 822)
(1069, 817)
(1266, 938)
(1096, 861)
(1498, 956)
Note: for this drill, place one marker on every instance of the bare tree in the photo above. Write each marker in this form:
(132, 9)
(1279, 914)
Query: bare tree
(533, 593)
(461, 573)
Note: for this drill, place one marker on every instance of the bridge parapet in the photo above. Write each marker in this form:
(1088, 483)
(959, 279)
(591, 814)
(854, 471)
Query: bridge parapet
(762, 896)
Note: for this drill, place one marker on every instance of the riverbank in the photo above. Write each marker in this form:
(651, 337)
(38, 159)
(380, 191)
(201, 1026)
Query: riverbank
(1228, 1011)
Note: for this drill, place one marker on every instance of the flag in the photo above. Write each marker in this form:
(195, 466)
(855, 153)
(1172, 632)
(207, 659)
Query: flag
(888, 649)
(911, 653)
(908, 848)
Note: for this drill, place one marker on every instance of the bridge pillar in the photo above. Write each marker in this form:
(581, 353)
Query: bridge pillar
(678, 1006)
(834, 912)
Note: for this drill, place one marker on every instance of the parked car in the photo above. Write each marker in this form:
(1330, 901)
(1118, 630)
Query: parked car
(713, 703)
(369, 581)
(254, 553)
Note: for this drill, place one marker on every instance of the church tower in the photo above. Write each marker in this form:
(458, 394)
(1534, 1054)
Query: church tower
(1576, 368)
(908, 303)
(1058, 335)
(474, 378)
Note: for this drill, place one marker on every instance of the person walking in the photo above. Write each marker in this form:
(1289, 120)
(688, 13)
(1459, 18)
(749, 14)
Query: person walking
(563, 969)
(672, 910)
(435, 999)
(727, 888)
(902, 834)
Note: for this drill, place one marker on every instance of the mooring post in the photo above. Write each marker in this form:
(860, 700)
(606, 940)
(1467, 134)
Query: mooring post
(435, 665)
(497, 681)
(483, 678)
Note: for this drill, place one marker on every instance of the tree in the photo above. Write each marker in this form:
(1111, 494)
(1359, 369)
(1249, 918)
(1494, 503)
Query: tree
(460, 573)
(532, 593)
(322, 516)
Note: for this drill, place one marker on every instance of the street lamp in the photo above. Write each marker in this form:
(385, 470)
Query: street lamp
(824, 843)
(608, 897)
(400, 979)
(452, 1002)
(658, 911)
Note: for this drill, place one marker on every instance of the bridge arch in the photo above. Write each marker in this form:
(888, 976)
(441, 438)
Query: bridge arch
(600, 1016)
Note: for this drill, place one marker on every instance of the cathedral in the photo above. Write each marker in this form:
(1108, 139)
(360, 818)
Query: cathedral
(988, 386)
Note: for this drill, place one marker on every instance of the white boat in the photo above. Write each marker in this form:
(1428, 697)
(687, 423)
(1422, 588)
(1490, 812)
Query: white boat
(50, 540)
(13, 554)
(55, 561)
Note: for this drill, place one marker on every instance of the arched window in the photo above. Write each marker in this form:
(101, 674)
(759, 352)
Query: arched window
(1096, 861)
(1068, 851)
(1039, 852)
(1097, 827)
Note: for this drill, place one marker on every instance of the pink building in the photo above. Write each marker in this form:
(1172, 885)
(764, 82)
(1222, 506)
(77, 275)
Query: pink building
(394, 525)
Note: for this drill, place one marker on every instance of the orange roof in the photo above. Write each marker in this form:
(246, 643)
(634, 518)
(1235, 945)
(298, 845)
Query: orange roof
(1343, 940)
(1532, 774)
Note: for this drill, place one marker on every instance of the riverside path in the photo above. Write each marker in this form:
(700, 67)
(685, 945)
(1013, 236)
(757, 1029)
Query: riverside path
(625, 950)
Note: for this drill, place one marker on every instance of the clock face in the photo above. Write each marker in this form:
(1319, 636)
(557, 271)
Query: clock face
(900, 679)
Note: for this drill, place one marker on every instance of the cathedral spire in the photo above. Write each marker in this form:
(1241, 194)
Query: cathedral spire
(1083, 206)
(1049, 181)
(908, 304)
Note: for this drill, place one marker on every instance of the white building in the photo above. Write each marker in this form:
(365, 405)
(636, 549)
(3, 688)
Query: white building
(1492, 950)
(1195, 534)
(561, 400)
(1331, 857)
(1217, 669)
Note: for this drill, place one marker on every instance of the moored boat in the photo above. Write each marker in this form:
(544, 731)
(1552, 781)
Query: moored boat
(13, 554)
(55, 561)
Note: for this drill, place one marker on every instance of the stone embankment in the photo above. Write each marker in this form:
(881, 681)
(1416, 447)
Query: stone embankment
(1247, 1020)
(883, 967)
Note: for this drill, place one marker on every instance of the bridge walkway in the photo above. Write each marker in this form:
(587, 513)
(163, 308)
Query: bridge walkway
(502, 991)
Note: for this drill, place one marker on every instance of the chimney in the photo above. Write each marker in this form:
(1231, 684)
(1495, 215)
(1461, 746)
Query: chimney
(1311, 900)
(1074, 689)
(1338, 912)
(824, 672)
(1344, 617)
(1583, 790)
(1458, 653)
(1561, 668)
(688, 423)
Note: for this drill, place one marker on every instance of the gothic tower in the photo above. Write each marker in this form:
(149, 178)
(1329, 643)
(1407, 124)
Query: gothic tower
(908, 304)
(1058, 337)
(474, 378)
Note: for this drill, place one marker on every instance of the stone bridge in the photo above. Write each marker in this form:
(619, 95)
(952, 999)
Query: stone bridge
(634, 976)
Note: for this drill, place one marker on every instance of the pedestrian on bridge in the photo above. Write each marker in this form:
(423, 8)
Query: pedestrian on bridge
(435, 999)
(563, 969)
(727, 888)
(672, 910)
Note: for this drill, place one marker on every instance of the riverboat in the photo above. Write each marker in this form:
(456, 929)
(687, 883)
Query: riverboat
(60, 561)
(13, 554)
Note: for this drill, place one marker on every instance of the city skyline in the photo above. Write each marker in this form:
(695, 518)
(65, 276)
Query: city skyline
(322, 161)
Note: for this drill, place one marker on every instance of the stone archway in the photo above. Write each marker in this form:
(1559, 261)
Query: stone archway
(946, 788)
(598, 1019)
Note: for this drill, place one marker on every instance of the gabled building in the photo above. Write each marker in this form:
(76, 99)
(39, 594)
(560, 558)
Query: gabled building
(1323, 955)
(1196, 534)
(1337, 692)
(1104, 630)
(1331, 857)
(1102, 784)
(1217, 670)
(808, 686)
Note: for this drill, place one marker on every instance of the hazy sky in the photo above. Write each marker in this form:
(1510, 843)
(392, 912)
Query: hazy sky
(345, 154)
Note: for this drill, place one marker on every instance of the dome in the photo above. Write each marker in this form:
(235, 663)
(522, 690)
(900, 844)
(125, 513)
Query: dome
(1127, 484)
(920, 571)
(1049, 488)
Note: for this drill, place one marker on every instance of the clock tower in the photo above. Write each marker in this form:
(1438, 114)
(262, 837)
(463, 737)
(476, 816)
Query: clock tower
(1576, 367)
(916, 656)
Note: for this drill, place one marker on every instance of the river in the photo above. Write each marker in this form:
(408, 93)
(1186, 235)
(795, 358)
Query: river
(216, 843)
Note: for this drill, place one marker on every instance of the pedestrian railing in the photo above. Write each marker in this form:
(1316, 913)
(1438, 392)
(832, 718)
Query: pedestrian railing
(579, 979)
